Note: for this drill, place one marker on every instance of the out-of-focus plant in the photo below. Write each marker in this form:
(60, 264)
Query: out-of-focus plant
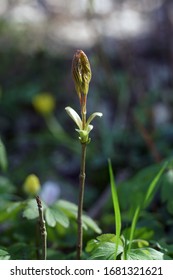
(3, 156)
(32, 188)
(81, 72)
(32, 185)
(60, 213)
(44, 103)
(119, 246)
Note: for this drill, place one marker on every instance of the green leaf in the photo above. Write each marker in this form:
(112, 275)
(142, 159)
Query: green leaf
(50, 219)
(74, 116)
(9, 210)
(116, 206)
(106, 251)
(144, 254)
(69, 208)
(31, 210)
(92, 116)
(54, 215)
(6, 188)
(88, 222)
(91, 245)
(144, 233)
(107, 237)
(4, 255)
(3, 156)
(104, 247)
(15, 207)
(133, 226)
(131, 192)
(152, 186)
(166, 248)
(147, 199)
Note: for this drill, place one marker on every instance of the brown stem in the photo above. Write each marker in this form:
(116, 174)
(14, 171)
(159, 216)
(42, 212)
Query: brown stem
(43, 231)
(37, 241)
(80, 204)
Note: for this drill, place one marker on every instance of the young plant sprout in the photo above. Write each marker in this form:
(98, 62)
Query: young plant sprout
(81, 73)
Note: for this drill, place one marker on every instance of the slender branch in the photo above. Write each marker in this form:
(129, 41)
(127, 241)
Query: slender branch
(43, 231)
(37, 241)
(80, 204)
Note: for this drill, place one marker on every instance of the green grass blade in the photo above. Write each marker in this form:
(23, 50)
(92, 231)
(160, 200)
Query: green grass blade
(133, 226)
(116, 207)
(147, 199)
(152, 186)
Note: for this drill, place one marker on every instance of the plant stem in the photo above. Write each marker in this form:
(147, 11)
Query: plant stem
(80, 204)
(37, 241)
(43, 231)
(83, 110)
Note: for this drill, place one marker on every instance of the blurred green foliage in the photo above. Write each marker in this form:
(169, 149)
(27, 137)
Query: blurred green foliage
(29, 145)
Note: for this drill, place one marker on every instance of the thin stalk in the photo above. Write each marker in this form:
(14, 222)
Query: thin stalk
(37, 241)
(80, 204)
(43, 231)
(83, 109)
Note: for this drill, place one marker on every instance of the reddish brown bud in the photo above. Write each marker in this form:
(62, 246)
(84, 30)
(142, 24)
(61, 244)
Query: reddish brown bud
(81, 73)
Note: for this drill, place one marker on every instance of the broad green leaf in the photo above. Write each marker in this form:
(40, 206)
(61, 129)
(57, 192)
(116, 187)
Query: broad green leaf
(50, 219)
(116, 206)
(91, 224)
(9, 210)
(139, 243)
(3, 156)
(144, 233)
(68, 207)
(106, 251)
(131, 192)
(4, 255)
(93, 243)
(31, 210)
(15, 207)
(70, 210)
(54, 215)
(107, 237)
(103, 247)
(144, 254)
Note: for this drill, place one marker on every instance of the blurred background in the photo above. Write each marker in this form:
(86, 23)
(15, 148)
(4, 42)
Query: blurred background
(130, 47)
